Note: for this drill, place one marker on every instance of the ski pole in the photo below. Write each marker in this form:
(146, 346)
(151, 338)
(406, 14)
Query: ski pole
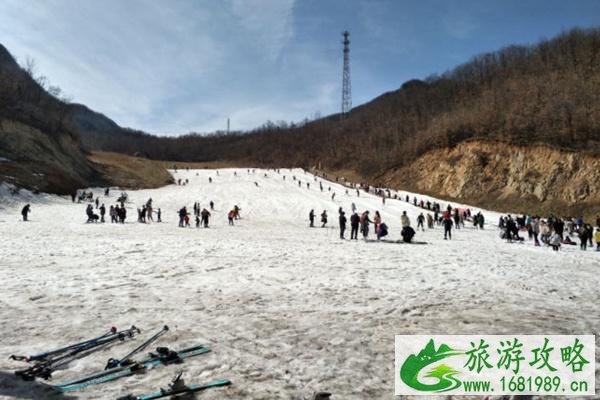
(45, 355)
(113, 362)
(44, 368)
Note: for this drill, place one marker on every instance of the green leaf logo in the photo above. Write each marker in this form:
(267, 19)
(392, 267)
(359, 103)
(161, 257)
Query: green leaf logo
(413, 365)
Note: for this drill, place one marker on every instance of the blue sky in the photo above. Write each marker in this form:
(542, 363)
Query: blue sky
(171, 67)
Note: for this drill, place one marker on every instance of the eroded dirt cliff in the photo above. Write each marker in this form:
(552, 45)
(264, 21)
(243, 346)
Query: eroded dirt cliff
(536, 179)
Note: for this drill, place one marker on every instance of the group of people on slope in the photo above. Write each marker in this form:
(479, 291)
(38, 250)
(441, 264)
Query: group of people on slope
(362, 223)
(117, 213)
(202, 216)
(145, 214)
(552, 231)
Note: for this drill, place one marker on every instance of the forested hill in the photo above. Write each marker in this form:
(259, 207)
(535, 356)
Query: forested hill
(547, 94)
(40, 148)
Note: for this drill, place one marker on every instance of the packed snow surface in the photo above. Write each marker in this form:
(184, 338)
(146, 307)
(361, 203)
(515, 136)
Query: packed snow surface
(287, 310)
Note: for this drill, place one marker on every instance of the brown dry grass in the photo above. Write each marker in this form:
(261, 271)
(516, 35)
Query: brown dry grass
(142, 173)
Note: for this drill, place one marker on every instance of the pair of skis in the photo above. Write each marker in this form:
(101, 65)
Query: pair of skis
(176, 387)
(47, 362)
(162, 356)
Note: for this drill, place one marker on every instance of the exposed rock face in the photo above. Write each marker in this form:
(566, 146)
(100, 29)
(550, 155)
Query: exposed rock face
(533, 179)
(38, 161)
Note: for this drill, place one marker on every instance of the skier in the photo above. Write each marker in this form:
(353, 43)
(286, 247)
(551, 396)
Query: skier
(102, 212)
(342, 224)
(205, 215)
(354, 222)
(212, 205)
(332, 197)
(311, 218)
(353, 207)
(25, 211)
(158, 215)
(420, 221)
(237, 210)
(324, 218)
(230, 217)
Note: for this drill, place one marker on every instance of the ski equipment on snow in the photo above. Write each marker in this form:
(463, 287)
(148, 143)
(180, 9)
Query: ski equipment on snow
(113, 362)
(45, 355)
(163, 355)
(177, 386)
(45, 365)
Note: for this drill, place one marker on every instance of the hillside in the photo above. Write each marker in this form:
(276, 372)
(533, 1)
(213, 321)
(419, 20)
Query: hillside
(41, 135)
(520, 97)
(39, 149)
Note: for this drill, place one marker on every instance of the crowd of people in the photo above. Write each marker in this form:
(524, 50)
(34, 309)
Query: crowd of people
(552, 231)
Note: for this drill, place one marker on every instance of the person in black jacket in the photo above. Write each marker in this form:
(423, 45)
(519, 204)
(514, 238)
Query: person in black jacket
(311, 218)
(342, 224)
(25, 211)
(354, 222)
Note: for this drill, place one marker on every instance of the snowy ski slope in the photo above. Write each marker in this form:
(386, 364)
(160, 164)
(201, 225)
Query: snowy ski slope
(287, 310)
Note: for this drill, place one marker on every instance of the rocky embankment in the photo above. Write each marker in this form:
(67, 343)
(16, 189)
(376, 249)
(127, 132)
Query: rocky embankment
(535, 179)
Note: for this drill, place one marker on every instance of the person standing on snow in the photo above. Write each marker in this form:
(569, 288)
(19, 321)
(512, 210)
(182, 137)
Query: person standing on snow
(212, 205)
(205, 215)
(230, 217)
(324, 218)
(182, 214)
(25, 211)
(149, 210)
(354, 222)
(420, 222)
(447, 222)
(311, 218)
(404, 220)
(364, 224)
(429, 221)
(342, 224)
(376, 221)
(102, 212)
(535, 229)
